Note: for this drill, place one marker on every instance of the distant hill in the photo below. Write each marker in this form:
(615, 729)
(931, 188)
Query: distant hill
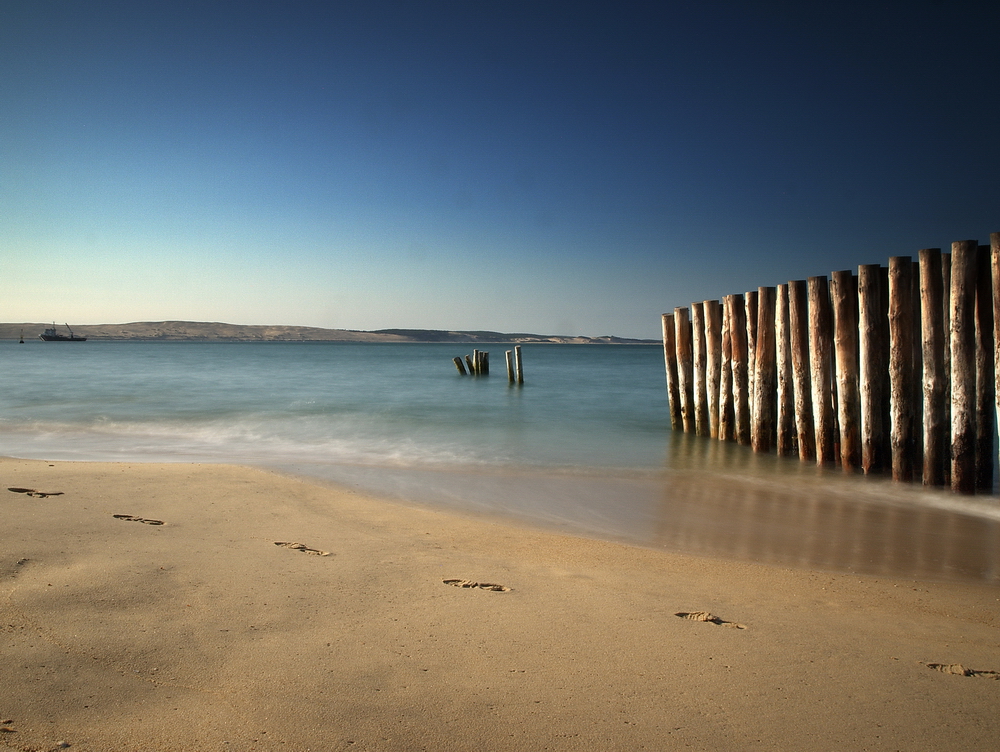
(200, 331)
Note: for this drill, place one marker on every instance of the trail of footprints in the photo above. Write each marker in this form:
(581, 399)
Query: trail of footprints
(34, 493)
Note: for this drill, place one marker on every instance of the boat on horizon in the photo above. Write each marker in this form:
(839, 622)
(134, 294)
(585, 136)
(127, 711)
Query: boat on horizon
(51, 335)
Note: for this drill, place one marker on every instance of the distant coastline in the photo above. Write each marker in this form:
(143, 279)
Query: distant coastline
(201, 331)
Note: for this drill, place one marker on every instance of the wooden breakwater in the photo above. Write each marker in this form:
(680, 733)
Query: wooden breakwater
(893, 369)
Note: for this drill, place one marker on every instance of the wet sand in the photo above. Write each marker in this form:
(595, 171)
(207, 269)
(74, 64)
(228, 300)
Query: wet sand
(270, 613)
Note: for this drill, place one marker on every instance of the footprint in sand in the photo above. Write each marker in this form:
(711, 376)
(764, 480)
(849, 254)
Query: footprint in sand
(480, 585)
(301, 547)
(706, 616)
(959, 670)
(36, 494)
(137, 519)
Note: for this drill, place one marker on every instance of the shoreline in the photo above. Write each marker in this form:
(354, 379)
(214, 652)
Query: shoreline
(121, 634)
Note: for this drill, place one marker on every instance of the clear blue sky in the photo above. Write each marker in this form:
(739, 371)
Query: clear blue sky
(569, 168)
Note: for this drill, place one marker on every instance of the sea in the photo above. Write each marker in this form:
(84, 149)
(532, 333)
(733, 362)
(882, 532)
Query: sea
(583, 447)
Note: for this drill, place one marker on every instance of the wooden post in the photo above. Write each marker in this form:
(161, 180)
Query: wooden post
(713, 350)
(472, 366)
(726, 414)
(985, 387)
(845, 311)
(820, 367)
(518, 364)
(750, 299)
(670, 365)
(995, 268)
(458, 365)
(901, 366)
(872, 367)
(935, 392)
(786, 384)
(509, 356)
(685, 367)
(700, 366)
(741, 394)
(798, 320)
(918, 369)
(963, 366)
(764, 421)
(946, 318)
(484, 361)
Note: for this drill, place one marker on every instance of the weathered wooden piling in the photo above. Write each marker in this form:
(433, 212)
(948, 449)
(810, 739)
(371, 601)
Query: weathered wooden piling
(946, 319)
(727, 427)
(935, 387)
(798, 324)
(963, 366)
(750, 300)
(985, 387)
(845, 316)
(700, 358)
(713, 367)
(764, 418)
(918, 368)
(741, 386)
(471, 364)
(821, 367)
(786, 383)
(873, 346)
(670, 365)
(901, 366)
(458, 364)
(519, 364)
(995, 278)
(509, 357)
(685, 367)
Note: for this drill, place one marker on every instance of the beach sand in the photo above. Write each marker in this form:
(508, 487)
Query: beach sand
(201, 633)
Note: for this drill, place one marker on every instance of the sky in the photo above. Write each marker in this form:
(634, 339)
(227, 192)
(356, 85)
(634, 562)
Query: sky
(546, 167)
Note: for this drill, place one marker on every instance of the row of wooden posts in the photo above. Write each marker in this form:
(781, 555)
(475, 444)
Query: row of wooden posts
(892, 369)
(479, 364)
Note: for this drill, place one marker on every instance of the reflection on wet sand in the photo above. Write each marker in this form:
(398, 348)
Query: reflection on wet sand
(761, 508)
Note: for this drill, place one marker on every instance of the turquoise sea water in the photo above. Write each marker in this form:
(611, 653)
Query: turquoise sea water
(584, 446)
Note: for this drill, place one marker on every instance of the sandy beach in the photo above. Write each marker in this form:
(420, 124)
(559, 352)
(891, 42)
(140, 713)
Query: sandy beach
(205, 607)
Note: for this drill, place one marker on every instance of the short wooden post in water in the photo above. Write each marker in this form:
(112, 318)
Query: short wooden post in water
(901, 366)
(845, 312)
(472, 366)
(713, 352)
(458, 365)
(765, 414)
(935, 392)
(741, 393)
(700, 367)
(726, 415)
(518, 364)
(798, 323)
(872, 366)
(685, 367)
(820, 367)
(786, 384)
(509, 356)
(670, 365)
(963, 366)
(985, 394)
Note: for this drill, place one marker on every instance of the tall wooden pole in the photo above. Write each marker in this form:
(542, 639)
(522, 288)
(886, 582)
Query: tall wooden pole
(798, 316)
(872, 365)
(845, 311)
(901, 366)
(935, 388)
(670, 365)
(765, 414)
(786, 383)
(985, 386)
(963, 366)
(685, 367)
(741, 394)
(726, 415)
(700, 367)
(946, 319)
(713, 349)
(820, 367)
(750, 299)
(918, 369)
(518, 364)
(995, 268)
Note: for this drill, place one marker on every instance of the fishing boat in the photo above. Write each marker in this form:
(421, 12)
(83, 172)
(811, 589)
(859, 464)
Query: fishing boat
(51, 335)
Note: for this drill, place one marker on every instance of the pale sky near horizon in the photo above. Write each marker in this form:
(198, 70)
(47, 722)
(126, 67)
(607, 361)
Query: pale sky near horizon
(558, 168)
